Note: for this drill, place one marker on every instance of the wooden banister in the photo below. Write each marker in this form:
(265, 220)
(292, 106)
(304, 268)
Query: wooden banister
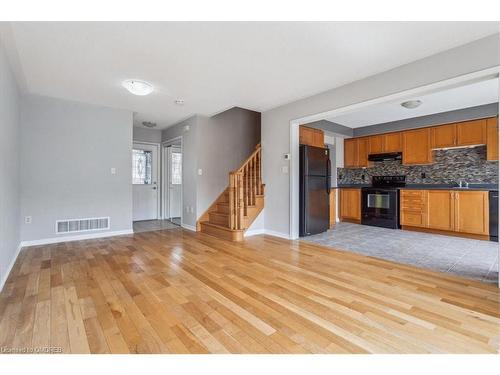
(244, 185)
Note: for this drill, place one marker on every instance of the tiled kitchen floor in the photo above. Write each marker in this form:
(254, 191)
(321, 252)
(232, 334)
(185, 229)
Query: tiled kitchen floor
(460, 256)
(151, 225)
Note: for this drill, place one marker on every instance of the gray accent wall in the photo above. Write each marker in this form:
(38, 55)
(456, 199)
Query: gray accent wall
(226, 141)
(450, 166)
(215, 145)
(332, 127)
(67, 152)
(9, 168)
(472, 113)
(146, 135)
(472, 57)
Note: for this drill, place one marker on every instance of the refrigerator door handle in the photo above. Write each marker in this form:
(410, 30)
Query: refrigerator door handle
(328, 178)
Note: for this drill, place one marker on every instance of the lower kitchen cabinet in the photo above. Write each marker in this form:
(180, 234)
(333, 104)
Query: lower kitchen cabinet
(456, 212)
(350, 204)
(441, 209)
(472, 212)
(413, 211)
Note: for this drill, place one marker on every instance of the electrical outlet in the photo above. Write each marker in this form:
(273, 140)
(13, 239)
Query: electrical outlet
(28, 219)
(422, 175)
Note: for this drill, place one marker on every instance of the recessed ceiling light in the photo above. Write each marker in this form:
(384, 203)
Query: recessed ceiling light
(149, 124)
(138, 87)
(179, 101)
(411, 104)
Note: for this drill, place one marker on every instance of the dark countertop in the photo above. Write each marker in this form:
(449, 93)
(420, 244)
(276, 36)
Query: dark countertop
(482, 187)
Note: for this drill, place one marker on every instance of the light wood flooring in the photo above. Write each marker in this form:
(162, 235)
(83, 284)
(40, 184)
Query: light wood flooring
(175, 291)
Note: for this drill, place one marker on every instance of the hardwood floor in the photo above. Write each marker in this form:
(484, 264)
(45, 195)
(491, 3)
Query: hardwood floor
(176, 291)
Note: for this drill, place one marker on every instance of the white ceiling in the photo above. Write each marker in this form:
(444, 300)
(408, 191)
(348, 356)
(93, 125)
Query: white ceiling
(471, 95)
(214, 66)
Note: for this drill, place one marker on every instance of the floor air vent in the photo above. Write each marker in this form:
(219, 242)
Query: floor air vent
(82, 225)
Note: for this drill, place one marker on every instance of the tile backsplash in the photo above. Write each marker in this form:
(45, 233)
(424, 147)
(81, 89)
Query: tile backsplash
(468, 164)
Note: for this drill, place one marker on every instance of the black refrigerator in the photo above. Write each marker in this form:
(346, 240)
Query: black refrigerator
(314, 190)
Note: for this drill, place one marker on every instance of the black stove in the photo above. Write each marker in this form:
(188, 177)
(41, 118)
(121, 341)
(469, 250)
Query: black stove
(380, 202)
(388, 182)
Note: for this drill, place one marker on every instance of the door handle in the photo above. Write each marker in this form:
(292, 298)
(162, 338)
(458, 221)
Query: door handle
(154, 187)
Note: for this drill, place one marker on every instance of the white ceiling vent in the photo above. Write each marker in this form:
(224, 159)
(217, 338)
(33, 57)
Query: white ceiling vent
(82, 225)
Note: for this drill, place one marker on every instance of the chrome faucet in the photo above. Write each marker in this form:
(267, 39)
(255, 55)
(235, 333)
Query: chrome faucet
(463, 184)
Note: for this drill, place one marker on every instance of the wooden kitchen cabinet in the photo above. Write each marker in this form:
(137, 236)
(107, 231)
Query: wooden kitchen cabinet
(457, 212)
(441, 209)
(350, 204)
(333, 207)
(444, 136)
(492, 139)
(311, 137)
(472, 212)
(376, 144)
(417, 147)
(363, 152)
(350, 153)
(356, 152)
(393, 142)
(470, 133)
(413, 208)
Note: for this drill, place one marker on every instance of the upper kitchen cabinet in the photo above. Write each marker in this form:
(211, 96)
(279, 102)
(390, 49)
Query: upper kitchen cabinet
(393, 142)
(444, 136)
(363, 152)
(351, 152)
(417, 147)
(471, 133)
(390, 142)
(492, 139)
(376, 144)
(311, 137)
(356, 152)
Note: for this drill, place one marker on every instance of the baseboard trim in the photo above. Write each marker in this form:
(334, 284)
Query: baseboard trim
(90, 236)
(9, 268)
(188, 227)
(277, 234)
(254, 232)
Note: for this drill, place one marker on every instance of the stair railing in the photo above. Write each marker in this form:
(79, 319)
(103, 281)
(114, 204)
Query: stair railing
(244, 185)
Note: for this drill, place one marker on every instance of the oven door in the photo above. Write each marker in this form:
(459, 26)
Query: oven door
(380, 207)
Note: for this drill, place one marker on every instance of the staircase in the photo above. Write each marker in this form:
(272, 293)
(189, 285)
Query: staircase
(240, 203)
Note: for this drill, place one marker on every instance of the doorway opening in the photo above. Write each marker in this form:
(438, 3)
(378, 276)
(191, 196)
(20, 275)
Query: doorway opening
(172, 181)
(429, 248)
(145, 189)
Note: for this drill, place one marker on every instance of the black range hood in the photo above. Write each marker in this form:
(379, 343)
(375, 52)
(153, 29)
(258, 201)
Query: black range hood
(385, 157)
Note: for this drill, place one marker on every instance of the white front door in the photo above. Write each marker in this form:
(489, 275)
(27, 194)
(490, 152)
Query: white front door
(174, 173)
(144, 180)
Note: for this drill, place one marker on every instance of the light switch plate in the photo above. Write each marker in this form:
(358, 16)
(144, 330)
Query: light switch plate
(284, 169)
(200, 172)
(113, 170)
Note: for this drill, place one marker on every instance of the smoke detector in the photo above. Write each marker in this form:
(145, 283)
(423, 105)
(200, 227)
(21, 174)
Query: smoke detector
(411, 104)
(149, 124)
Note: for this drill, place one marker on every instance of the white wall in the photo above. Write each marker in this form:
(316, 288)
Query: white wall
(146, 135)
(9, 168)
(67, 152)
(479, 55)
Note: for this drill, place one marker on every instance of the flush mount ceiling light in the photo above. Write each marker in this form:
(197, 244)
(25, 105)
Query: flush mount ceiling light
(411, 104)
(138, 87)
(149, 124)
(179, 101)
